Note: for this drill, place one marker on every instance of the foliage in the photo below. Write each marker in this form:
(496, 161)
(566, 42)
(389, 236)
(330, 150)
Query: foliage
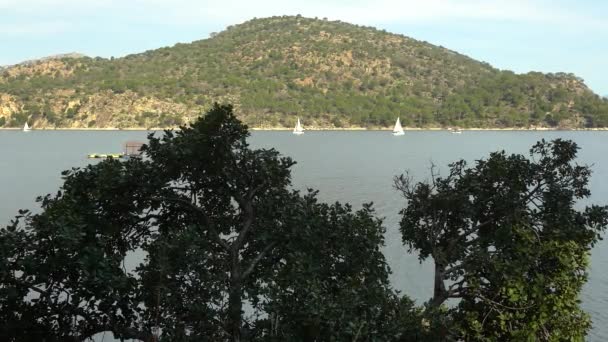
(508, 240)
(216, 228)
(323, 287)
(276, 68)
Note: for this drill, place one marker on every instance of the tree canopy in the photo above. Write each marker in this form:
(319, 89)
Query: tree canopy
(508, 241)
(225, 250)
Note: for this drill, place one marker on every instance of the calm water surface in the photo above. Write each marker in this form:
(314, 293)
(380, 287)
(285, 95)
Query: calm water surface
(355, 167)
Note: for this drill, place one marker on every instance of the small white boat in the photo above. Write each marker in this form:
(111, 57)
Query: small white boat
(26, 128)
(456, 131)
(298, 129)
(398, 130)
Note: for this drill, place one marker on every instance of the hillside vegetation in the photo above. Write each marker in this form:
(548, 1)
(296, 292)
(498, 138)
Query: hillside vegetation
(329, 73)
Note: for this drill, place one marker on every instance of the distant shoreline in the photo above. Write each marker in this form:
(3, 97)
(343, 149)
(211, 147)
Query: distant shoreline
(431, 129)
(319, 129)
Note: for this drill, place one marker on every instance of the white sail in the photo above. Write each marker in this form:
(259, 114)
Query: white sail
(298, 129)
(398, 130)
(26, 128)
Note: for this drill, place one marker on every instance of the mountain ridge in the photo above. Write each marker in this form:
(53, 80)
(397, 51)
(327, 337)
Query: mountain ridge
(74, 55)
(330, 73)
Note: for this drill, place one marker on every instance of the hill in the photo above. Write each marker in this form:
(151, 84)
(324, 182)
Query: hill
(329, 73)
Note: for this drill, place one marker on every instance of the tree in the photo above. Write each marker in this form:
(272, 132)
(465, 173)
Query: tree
(217, 227)
(326, 289)
(508, 242)
(63, 276)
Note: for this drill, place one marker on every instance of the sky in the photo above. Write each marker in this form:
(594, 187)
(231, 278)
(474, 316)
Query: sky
(519, 35)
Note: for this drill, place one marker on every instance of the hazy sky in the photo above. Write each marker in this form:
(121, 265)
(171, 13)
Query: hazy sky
(519, 35)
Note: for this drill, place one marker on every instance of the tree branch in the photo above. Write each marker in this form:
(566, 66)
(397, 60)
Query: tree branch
(203, 214)
(257, 260)
(36, 289)
(454, 288)
(247, 224)
(450, 270)
(492, 302)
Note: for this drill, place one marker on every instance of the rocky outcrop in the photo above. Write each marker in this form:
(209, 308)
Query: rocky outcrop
(9, 105)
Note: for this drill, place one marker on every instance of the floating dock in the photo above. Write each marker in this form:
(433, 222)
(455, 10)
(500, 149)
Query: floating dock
(131, 149)
(106, 155)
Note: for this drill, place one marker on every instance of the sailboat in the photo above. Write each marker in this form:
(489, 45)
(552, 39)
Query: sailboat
(298, 129)
(398, 130)
(26, 128)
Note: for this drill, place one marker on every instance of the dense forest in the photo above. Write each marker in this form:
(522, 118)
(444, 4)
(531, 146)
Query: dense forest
(329, 73)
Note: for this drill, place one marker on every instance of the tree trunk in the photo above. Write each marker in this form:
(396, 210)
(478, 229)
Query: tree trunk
(235, 306)
(439, 291)
(235, 303)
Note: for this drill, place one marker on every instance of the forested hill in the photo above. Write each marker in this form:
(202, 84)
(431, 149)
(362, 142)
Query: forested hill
(329, 73)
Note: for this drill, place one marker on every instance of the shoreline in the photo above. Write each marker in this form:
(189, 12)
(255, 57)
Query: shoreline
(430, 129)
(317, 129)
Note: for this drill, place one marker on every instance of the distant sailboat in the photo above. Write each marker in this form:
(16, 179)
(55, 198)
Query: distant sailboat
(26, 128)
(298, 129)
(398, 130)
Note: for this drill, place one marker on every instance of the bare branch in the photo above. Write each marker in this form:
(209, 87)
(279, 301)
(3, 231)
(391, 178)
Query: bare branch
(403, 183)
(486, 316)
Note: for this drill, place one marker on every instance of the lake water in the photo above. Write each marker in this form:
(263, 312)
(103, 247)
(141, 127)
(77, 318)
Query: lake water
(355, 167)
